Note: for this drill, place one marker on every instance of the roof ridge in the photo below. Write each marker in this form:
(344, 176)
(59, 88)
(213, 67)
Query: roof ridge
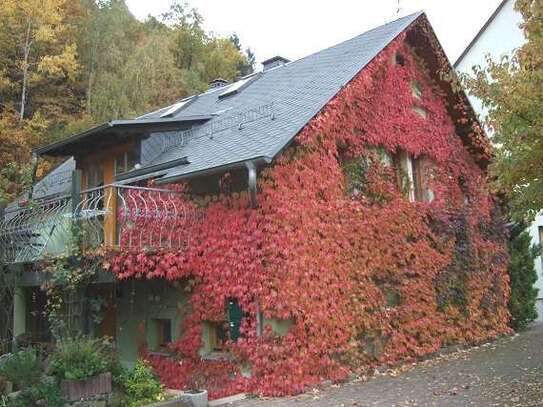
(412, 16)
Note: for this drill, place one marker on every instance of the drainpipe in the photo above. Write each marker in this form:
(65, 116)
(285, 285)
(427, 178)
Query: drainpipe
(251, 182)
(33, 174)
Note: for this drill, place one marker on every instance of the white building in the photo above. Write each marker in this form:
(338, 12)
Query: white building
(500, 36)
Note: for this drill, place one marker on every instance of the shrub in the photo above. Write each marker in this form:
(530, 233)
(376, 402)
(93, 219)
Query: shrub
(45, 394)
(81, 358)
(22, 368)
(523, 276)
(141, 386)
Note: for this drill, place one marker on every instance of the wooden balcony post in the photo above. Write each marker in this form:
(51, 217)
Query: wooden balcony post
(110, 221)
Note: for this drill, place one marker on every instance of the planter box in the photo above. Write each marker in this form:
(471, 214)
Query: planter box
(196, 399)
(73, 390)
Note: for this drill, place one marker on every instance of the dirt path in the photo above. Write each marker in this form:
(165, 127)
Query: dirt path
(508, 372)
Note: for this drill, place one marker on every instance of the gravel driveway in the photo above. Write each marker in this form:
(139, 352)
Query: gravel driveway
(508, 372)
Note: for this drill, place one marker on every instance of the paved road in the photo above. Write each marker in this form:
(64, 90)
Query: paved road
(508, 372)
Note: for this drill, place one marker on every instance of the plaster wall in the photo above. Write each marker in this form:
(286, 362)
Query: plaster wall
(139, 305)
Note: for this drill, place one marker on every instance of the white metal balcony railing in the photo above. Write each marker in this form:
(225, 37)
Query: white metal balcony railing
(113, 215)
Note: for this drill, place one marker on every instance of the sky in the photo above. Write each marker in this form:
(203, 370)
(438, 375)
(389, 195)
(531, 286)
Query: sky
(296, 28)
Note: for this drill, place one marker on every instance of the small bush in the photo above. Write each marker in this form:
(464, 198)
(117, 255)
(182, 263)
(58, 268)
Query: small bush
(81, 358)
(45, 394)
(22, 368)
(141, 386)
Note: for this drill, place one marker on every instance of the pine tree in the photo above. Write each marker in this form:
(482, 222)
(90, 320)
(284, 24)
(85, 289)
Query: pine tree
(522, 276)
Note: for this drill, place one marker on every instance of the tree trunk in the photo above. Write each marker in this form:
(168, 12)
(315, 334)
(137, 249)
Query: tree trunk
(26, 52)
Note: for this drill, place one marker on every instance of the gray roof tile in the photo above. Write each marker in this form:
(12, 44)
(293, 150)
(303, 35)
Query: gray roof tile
(297, 90)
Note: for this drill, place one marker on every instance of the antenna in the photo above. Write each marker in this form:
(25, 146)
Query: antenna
(399, 7)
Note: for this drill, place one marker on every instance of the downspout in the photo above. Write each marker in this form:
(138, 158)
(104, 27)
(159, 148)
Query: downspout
(33, 174)
(251, 182)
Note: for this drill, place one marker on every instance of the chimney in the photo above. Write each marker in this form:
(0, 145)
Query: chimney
(274, 62)
(218, 83)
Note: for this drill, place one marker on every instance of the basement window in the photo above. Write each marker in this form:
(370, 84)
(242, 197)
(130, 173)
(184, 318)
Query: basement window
(163, 333)
(217, 336)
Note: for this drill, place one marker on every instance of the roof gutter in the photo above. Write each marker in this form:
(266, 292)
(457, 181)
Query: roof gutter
(142, 172)
(251, 166)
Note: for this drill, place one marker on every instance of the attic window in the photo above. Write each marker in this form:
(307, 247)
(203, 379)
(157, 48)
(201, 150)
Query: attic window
(236, 87)
(421, 111)
(399, 59)
(416, 90)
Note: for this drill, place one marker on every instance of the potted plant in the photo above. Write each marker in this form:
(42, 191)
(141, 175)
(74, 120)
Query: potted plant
(196, 393)
(83, 366)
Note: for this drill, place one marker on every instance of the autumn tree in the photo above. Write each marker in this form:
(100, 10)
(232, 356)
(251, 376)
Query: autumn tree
(66, 65)
(512, 92)
(38, 48)
(38, 75)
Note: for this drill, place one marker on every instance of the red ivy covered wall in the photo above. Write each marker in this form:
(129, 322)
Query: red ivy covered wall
(328, 259)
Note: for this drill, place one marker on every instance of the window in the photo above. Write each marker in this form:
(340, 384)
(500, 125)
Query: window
(404, 174)
(216, 334)
(399, 59)
(422, 112)
(412, 175)
(163, 333)
(94, 176)
(416, 90)
(124, 162)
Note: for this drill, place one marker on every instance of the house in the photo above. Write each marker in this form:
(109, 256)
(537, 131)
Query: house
(500, 36)
(321, 217)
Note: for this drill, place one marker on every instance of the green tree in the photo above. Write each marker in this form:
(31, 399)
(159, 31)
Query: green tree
(109, 38)
(512, 92)
(205, 56)
(248, 65)
(522, 276)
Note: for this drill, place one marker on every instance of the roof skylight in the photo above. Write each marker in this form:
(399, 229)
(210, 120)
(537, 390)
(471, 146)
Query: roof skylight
(176, 107)
(238, 86)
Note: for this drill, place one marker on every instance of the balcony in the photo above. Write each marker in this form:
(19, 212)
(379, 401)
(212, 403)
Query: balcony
(110, 216)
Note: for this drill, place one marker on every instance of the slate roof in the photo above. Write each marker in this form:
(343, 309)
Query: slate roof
(294, 93)
(272, 107)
